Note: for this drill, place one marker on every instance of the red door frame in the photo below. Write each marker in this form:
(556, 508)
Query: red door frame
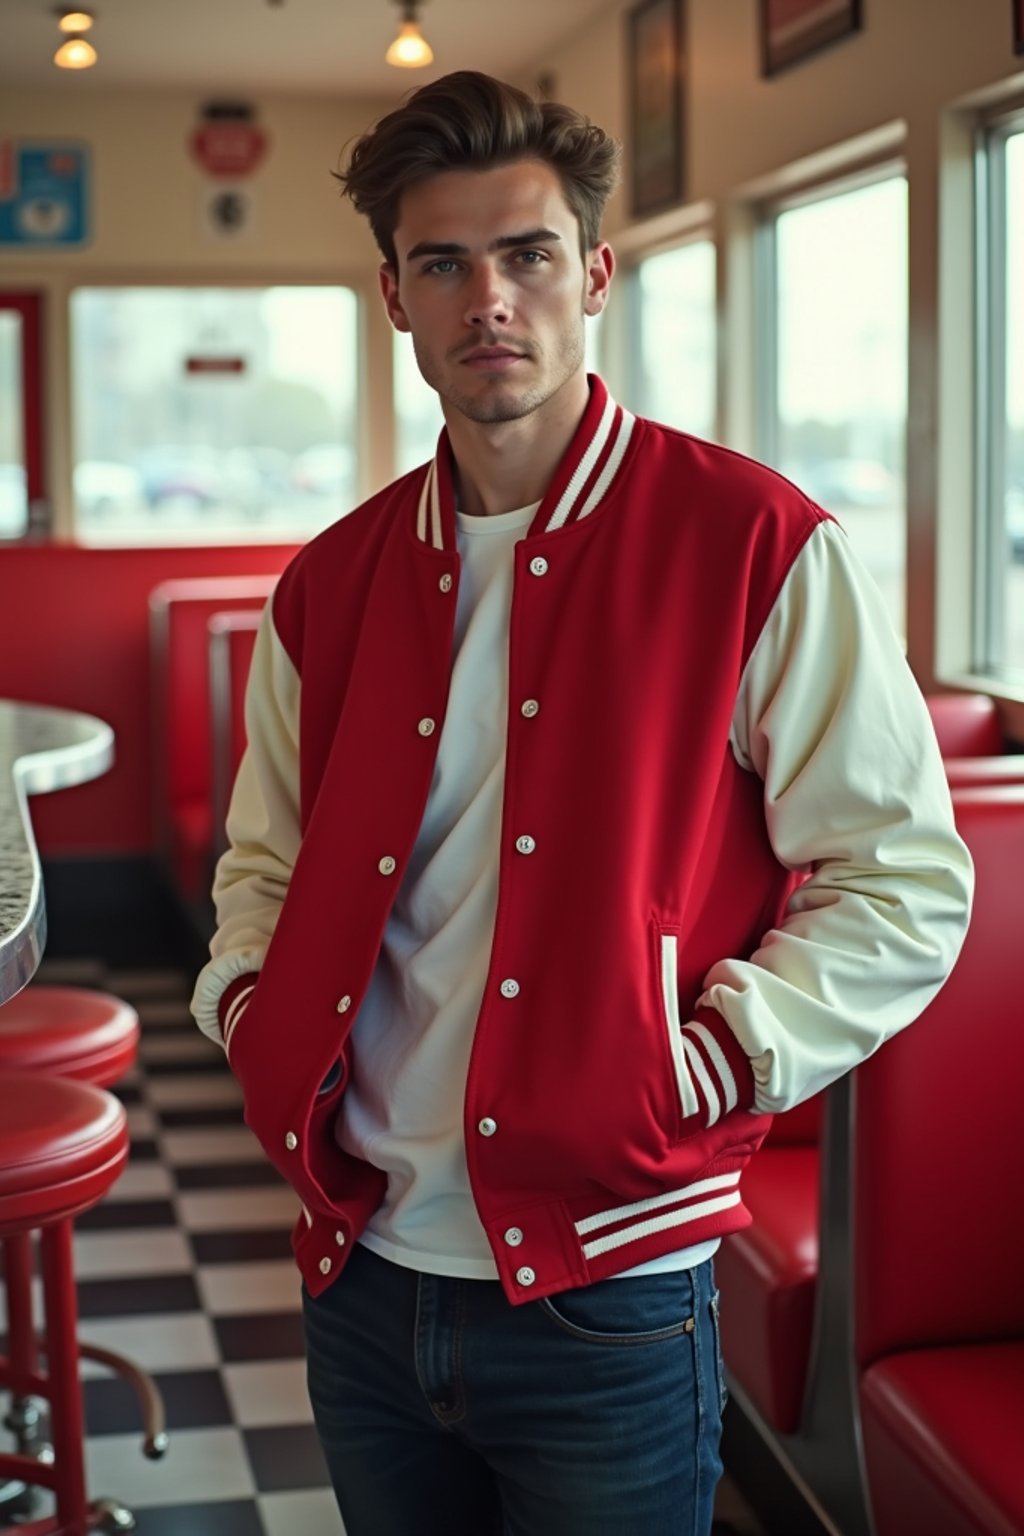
(30, 307)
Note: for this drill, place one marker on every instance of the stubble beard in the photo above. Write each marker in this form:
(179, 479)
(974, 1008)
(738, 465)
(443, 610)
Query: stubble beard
(506, 401)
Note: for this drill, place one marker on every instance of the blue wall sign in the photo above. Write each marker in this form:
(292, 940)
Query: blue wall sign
(44, 194)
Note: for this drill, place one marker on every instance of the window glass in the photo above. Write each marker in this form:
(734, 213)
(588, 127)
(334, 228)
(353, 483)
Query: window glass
(841, 360)
(418, 418)
(1010, 603)
(212, 415)
(13, 483)
(674, 378)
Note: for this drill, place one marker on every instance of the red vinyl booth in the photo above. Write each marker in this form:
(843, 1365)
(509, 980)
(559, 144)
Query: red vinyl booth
(971, 741)
(768, 1272)
(938, 1235)
(180, 612)
(966, 724)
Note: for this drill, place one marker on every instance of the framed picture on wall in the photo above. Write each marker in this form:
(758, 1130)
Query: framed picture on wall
(1018, 26)
(792, 30)
(656, 75)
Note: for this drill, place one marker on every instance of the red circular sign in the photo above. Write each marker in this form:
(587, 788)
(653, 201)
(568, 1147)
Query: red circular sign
(229, 148)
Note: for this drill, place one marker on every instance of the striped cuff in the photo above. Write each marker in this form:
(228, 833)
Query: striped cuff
(718, 1066)
(233, 1002)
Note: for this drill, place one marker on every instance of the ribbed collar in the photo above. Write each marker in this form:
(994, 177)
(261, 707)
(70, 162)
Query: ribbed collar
(583, 478)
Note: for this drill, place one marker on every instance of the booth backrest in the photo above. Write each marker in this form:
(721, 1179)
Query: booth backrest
(232, 637)
(966, 724)
(799, 1127)
(938, 1155)
(976, 772)
(180, 612)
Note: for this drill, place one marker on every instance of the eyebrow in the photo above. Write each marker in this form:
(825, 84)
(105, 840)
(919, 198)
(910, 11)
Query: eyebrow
(502, 243)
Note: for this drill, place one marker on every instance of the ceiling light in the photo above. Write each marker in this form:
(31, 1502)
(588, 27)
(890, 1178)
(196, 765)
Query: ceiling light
(410, 49)
(75, 21)
(76, 53)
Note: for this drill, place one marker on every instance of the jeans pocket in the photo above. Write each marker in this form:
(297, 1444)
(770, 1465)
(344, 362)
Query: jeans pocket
(645, 1309)
(716, 1328)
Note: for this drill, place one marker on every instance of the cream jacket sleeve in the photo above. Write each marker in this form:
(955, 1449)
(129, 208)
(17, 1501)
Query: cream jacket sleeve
(263, 825)
(830, 718)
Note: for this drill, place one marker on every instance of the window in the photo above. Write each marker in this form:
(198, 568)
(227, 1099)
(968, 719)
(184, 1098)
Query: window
(833, 407)
(418, 418)
(13, 486)
(673, 296)
(999, 587)
(23, 505)
(208, 415)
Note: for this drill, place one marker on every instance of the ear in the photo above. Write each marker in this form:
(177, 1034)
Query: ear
(600, 270)
(388, 279)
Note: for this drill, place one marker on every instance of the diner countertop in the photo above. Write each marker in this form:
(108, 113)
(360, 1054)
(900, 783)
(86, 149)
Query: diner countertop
(41, 749)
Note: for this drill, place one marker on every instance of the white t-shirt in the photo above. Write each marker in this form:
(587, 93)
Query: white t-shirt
(411, 1040)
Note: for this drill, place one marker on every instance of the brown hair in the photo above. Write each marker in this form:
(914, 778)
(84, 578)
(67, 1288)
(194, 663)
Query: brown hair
(467, 121)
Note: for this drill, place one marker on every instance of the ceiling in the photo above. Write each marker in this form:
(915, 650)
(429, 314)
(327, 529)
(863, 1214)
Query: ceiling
(324, 46)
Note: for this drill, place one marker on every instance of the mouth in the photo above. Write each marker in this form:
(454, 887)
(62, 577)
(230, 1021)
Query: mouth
(492, 359)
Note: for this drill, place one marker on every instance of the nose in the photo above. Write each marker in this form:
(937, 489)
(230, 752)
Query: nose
(487, 298)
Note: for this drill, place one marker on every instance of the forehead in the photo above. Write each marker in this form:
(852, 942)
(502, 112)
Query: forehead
(473, 208)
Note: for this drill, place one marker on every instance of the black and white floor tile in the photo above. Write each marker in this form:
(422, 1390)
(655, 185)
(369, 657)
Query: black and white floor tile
(186, 1267)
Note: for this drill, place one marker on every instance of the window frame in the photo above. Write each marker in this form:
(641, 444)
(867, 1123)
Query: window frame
(988, 596)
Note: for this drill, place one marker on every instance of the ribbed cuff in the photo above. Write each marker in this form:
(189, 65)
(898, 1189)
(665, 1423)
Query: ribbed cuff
(233, 1002)
(719, 1068)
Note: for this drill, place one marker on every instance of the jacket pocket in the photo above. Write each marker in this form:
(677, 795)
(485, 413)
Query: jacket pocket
(668, 957)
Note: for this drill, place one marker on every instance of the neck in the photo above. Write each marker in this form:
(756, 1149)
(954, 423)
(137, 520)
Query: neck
(503, 465)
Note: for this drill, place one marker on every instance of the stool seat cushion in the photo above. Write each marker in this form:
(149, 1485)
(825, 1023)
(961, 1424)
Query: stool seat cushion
(62, 1145)
(767, 1275)
(942, 1440)
(69, 1032)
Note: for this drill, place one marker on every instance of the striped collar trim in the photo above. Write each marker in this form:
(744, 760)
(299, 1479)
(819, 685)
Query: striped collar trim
(583, 478)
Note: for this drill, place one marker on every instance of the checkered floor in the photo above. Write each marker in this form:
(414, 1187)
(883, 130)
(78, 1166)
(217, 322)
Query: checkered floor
(186, 1267)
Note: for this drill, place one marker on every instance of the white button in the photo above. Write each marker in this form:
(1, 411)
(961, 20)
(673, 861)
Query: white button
(487, 1126)
(325, 1266)
(513, 1237)
(291, 1141)
(445, 583)
(525, 1276)
(525, 844)
(387, 865)
(426, 726)
(339, 1238)
(343, 1004)
(538, 565)
(510, 988)
(529, 707)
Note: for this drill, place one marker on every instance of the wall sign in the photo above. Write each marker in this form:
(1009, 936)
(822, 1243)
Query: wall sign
(44, 194)
(229, 148)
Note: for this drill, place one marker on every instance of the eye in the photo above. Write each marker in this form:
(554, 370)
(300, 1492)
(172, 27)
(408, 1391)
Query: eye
(531, 258)
(443, 266)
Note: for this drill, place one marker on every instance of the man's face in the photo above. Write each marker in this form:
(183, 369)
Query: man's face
(493, 288)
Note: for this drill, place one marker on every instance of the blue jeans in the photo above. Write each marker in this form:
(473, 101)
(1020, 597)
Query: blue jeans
(444, 1411)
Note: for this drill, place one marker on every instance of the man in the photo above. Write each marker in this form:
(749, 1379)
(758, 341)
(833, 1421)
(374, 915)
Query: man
(516, 954)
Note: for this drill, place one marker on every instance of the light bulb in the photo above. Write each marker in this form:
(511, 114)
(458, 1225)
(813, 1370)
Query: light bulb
(76, 53)
(410, 49)
(75, 21)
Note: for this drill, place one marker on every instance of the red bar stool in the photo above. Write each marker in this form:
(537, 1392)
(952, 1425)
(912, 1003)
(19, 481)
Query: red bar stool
(70, 1032)
(62, 1145)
